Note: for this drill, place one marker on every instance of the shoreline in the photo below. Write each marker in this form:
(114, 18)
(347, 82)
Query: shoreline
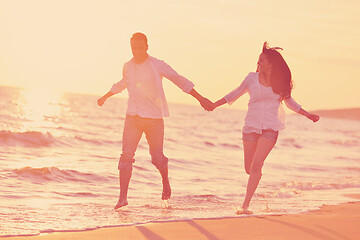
(348, 113)
(329, 222)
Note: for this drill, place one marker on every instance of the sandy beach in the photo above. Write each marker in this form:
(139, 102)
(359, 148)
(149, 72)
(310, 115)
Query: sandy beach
(329, 222)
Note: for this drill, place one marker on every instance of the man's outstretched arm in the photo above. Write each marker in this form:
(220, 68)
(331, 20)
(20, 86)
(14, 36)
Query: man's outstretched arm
(116, 88)
(184, 84)
(102, 100)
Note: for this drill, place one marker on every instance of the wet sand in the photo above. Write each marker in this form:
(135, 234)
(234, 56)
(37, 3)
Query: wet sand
(328, 223)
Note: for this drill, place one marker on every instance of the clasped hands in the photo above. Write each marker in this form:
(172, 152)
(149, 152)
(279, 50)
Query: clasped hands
(207, 104)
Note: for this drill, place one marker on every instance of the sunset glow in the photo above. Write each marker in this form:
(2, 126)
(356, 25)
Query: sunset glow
(80, 46)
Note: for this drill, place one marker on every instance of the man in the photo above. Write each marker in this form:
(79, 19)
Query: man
(142, 77)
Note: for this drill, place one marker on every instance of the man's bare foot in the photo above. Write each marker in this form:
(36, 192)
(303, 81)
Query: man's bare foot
(166, 193)
(120, 204)
(243, 210)
(165, 204)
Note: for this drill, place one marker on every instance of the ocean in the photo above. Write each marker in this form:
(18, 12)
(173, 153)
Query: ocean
(59, 156)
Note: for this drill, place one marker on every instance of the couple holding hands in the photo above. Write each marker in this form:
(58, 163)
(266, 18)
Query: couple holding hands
(142, 77)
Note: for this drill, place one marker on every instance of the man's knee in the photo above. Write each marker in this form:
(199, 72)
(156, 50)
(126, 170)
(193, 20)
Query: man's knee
(160, 162)
(125, 163)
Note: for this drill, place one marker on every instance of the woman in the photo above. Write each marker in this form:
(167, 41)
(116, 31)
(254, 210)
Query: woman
(267, 87)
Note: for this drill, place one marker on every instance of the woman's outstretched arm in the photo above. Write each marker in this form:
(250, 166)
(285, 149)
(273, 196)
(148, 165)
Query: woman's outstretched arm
(218, 103)
(293, 105)
(312, 117)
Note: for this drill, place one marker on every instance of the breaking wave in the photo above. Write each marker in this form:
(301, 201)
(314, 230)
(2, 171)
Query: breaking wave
(26, 139)
(58, 175)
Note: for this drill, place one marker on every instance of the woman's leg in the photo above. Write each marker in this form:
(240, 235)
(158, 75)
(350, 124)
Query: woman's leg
(249, 151)
(263, 148)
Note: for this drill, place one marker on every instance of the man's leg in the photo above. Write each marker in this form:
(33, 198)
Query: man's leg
(131, 137)
(154, 131)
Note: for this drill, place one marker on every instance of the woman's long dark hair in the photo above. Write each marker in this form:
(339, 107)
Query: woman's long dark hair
(280, 76)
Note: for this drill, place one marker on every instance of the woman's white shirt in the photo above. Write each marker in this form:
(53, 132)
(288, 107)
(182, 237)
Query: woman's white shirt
(264, 108)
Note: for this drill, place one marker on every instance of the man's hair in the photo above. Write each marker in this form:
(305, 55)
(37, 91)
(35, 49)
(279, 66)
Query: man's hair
(139, 36)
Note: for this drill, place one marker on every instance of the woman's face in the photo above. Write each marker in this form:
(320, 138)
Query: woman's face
(263, 63)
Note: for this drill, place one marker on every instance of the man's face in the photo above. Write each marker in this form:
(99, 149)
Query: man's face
(139, 48)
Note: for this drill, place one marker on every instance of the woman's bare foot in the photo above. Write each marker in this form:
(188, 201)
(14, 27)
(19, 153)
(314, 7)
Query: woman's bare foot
(120, 204)
(166, 193)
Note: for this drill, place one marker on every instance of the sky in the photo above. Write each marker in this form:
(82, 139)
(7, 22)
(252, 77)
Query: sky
(80, 46)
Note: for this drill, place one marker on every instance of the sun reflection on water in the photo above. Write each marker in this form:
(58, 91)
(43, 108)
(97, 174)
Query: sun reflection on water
(40, 108)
